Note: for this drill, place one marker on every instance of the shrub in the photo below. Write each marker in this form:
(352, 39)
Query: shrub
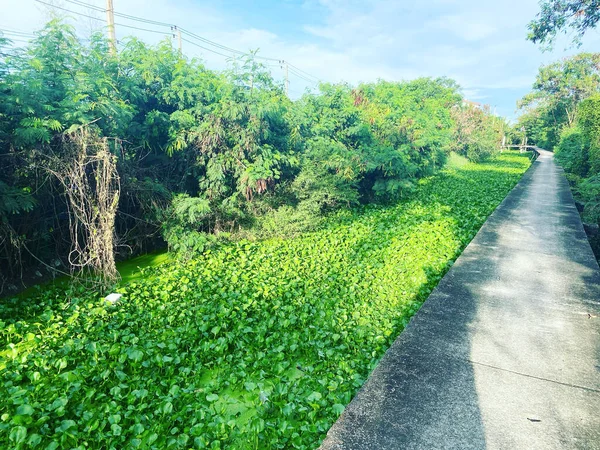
(589, 189)
(476, 134)
(187, 216)
(288, 221)
(571, 152)
(185, 243)
(589, 121)
(328, 178)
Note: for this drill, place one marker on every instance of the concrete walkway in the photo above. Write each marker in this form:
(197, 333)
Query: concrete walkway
(505, 353)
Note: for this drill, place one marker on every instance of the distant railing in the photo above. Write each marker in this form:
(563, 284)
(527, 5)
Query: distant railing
(523, 148)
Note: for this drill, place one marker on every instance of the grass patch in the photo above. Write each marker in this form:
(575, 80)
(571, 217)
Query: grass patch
(253, 345)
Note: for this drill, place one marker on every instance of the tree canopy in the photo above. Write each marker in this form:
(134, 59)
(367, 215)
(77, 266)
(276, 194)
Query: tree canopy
(557, 91)
(562, 16)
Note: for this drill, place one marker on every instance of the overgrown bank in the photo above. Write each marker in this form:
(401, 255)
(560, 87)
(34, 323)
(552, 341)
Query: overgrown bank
(189, 153)
(253, 345)
(578, 151)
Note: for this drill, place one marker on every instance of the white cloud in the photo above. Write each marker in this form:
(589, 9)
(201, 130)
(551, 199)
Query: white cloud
(464, 26)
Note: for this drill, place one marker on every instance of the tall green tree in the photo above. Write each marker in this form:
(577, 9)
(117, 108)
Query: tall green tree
(562, 16)
(557, 91)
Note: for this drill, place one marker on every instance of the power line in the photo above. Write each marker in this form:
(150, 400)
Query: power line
(86, 5)
(6, 28)
(305, 73)
(299, 75)
(125, 16)
(222, 47)
(164, 24)
(69, 10)
(101, 20)
(293, 72)
(141, 19)
(154, 22)
(16, 33)
(146, 29)
(8, 33)
(19, 40)
(142, 29)
(296, 71)
(205, 48)
(184, 31)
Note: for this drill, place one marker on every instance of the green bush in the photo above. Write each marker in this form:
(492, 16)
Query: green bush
(188, 243)
(328, 178)
(579, 153)
(187, 225)
(477, 133)
(589, 121)
(288, 221)
(232, 140)
(589, 190)
(571, 151)
(482, 146)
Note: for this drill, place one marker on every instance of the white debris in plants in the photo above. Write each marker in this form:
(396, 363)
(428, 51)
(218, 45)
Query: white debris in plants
(113, 298)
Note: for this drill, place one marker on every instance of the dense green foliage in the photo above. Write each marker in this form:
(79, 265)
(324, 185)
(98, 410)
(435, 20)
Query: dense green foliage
(579, 147)
(571, 151)
(579, 153)
(557, 16)
(202, 153)
(250, 345)
(589, 121)
(477, 133)
(240, 342)
(558, 90)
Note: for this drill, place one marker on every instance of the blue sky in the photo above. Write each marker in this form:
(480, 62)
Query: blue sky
(481, 44)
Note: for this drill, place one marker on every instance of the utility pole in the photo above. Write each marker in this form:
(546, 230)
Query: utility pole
(174, 28)
(287, 78)
(110, 21)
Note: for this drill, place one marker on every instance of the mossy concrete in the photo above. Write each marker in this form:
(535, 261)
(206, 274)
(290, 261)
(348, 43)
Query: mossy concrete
(505, 353)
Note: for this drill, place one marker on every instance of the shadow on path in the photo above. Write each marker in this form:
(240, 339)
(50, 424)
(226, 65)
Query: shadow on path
(505, 353)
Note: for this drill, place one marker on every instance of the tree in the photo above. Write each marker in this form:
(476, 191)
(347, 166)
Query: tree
(557, 91)
(563, 15)
(478, 133)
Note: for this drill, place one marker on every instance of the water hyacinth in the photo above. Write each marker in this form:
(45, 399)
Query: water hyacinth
(251, 345)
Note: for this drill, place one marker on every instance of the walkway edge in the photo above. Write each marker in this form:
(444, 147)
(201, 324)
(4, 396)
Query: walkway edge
(516, 300)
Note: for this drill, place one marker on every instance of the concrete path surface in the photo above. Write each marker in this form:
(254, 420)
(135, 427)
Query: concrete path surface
(505, 353)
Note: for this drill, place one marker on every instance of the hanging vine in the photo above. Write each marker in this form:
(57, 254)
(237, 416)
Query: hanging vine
(87, 170)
